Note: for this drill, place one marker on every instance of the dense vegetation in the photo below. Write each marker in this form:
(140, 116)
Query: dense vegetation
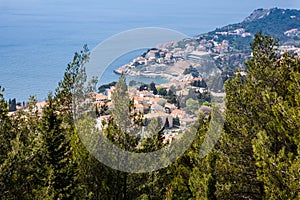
(257, 157)
(273, 22)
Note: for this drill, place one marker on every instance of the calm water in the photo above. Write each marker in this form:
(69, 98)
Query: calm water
(39, 37)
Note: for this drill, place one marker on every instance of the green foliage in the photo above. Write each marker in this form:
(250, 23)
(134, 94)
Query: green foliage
(199, 83)
(276, 146)
(192, 177)
(260, 145)
(104, 87)
(153, 88)
(176, 121)
(162, 91)
(57, 164)
(191, 70)
(192, 106)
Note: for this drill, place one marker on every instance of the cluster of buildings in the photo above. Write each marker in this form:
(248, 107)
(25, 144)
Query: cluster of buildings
(153, 56)
(290, 48)
(152, 106)
(292, 32)
(237, 32)
(194, 50)
(18, 106)
(145, 103)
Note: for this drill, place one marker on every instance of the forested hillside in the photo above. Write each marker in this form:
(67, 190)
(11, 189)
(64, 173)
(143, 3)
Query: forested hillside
(257, 156)
(275, 22)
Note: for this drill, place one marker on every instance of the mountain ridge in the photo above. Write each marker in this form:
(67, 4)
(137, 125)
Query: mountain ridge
(257, 14)
(274, 22)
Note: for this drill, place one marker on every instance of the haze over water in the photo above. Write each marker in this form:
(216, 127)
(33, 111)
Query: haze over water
(39, 37)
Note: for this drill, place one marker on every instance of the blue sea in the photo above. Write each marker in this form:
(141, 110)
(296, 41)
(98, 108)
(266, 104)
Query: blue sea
(39, 37)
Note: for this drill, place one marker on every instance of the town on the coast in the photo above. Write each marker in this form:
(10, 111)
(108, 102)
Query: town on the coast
(195, 69)
(175, 103)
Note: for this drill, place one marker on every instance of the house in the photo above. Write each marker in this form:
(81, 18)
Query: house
(246, 34)
(241, 73)
(138, 100)
(101, 98)
(202, 90)
(152, 54)
(162, 54)
(170, 106)
(167, 138)
(156, 108)
(195, 79)
(145, 93)
(158, 100)
(140, 60)
(164, 117)
(178, 113)
(160, 60)
(169, 56)
(109, 92)
(39, 106)
(139, 108)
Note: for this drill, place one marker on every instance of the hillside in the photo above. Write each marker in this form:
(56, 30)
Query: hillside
(221, 52)
(283, 24)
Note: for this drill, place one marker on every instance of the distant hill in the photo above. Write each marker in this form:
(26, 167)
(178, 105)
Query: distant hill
(283, 24)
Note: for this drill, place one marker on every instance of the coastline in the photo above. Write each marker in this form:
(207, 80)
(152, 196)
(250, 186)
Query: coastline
(147, 75)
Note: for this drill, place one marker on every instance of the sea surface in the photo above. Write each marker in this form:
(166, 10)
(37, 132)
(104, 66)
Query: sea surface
(39, 37)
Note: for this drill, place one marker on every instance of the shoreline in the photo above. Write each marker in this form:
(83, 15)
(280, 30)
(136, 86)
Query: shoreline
(148, 75)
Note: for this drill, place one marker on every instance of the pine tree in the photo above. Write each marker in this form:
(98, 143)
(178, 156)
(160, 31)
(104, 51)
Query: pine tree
(18, 153)
(121, 103)
(236, 166)
(192, 177)
(276, 145)
(153, 88)
(5, 125)
(260, 145)
(91, 175)
(57, 161)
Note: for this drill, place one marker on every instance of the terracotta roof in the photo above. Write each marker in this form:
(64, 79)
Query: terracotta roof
(111, 89)
(177, 112)
(147, 98)
(101, 96)
(195, 79)
(138, 106)
(19, 107)
(138, 98)
(41, 104)
(154, 51)
(156, 99)
(169, 105)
